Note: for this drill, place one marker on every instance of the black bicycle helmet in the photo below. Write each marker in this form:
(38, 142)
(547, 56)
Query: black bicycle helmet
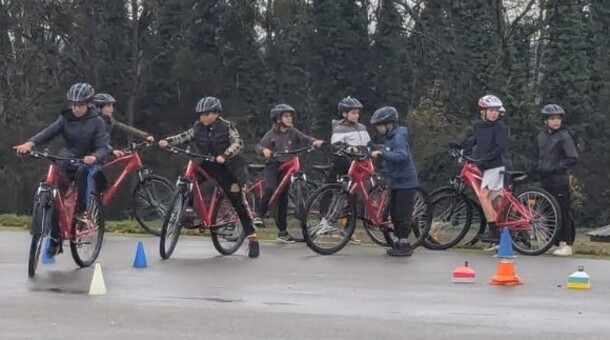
(102, 99)
(348, 103)
(279, 109)
(208, 104)
(386, 114)
(80, 92)
(552, 109)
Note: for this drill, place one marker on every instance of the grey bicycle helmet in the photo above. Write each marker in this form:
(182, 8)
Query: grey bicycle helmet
(348, 103)
(386, 114)
(208, 104)
(102, 99)
(80, 92)
(279, 109)
(552, 109)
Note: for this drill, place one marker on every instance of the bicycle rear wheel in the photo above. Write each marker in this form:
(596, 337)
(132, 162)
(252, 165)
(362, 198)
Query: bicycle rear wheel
(228, 234)
(172, 224)
(451, 220)
(330, 220)
(544, 225)
(86, 241)
(151, 197)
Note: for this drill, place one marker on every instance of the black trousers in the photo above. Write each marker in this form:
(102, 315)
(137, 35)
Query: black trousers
(272, 175)
(401, 211)
(561, 191)
(233, 190)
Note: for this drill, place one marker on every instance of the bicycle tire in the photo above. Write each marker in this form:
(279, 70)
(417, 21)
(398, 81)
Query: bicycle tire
(376, 234)
(346, 218)
(225, 212)
(96, 216)
(174, 215)
(517, 235)
(42, 219)
(444, 216)
(157, 204)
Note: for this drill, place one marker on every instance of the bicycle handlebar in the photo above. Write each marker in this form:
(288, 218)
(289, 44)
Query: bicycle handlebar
(295, 151)
(188, 152)
(456, 150)
(47, 155)
(133, 146)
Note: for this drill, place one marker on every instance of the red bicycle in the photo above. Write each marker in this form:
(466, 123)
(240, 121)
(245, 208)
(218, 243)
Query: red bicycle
(332, 211)
(217, 215)
(151, 195)
(299, 188)
(532, 216)
(53, 207)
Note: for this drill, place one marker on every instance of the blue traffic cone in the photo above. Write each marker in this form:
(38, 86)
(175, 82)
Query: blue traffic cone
(140, 260)
(505, 251)
(45, 258)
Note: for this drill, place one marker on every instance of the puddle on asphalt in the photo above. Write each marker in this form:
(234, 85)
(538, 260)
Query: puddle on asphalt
(213, 299)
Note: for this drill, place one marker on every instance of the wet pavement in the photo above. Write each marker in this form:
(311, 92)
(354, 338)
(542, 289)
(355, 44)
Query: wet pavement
(292, 293)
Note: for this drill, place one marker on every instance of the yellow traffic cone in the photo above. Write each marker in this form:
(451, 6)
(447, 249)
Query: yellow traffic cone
(97, 287)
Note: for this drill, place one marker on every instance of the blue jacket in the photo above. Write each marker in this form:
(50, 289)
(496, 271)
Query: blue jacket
(397, 164)
(84, 135)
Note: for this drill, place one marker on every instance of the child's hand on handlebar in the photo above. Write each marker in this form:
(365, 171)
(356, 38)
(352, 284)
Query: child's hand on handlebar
(376, 153)
(318, 143)
(267, 153)
(89, 160)
(163, 143)
(24, 148)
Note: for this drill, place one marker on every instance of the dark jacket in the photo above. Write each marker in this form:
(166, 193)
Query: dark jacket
(397, 163)
(488, 143)
(555, 154)
(218, 139)
(84, 135)
(278, 141)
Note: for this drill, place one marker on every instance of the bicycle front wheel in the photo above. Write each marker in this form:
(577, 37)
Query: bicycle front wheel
(151, 198)
(228, 234)
(330, 220)
(172, 224)
(42, 219)
(545, 221)
(87, 239)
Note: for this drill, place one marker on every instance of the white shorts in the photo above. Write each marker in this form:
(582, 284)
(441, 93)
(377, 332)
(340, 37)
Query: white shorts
(494, 181)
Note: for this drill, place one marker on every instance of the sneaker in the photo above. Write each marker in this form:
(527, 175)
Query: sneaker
(492, 236)
(285, 238)
(403, 249)
(253, 248)
(563, 250)
(492, 247)
(258, 222)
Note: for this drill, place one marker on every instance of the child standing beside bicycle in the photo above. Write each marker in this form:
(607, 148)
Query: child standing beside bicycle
(555, 154)
(399, 170)
(489, 145)
(282, 137)
(216, 137)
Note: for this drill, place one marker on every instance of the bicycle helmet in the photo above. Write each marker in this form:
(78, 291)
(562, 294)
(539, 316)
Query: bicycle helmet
(490, 101)
(348, 103)
(386, 114)
(80, 92)
(208, 104)
(102, 99)
(552, 109)
(279, 109)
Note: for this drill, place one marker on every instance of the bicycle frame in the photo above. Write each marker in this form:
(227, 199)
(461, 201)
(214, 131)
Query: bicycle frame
(472, 177)
(132, 162)
(203, 209)
(287, 169)
(359, 172)
(63, 207)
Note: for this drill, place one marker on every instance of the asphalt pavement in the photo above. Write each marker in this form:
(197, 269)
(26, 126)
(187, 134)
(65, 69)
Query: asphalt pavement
(292, 293)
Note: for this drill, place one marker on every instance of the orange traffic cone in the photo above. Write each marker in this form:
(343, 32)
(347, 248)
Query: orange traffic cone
(505, 274)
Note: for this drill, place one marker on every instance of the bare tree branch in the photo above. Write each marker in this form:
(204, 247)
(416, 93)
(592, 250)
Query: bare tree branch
(515, 22)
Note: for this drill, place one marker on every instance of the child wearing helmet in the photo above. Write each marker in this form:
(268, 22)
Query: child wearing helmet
(555, 155)
(398, 168)
(105, 104)
(85, 135)
(216, 137)
(283, 136)
(489, 146)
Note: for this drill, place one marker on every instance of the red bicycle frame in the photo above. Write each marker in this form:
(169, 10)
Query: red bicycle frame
(204, 210)
(132, 162)
(287, 169)
(472, 176)
(360, 171)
